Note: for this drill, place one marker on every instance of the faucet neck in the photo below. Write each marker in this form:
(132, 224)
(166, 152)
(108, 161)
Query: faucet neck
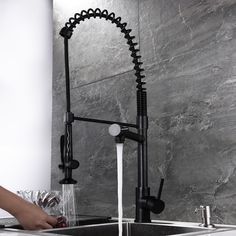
(142, 190)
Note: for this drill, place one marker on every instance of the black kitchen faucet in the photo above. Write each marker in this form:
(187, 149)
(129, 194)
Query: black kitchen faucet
(145, 203)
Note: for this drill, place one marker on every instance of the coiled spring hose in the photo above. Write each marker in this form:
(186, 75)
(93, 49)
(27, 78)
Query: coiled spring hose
(68, 29)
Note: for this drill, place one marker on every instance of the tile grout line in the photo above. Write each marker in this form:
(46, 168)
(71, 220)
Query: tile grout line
(103, 79)
(97, 81)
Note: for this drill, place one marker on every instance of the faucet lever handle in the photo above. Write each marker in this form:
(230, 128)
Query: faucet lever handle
(160, 188)
(155, 204)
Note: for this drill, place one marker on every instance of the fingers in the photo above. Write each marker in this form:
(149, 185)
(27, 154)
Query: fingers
(44, 223)
(45, 226)
(52, 220)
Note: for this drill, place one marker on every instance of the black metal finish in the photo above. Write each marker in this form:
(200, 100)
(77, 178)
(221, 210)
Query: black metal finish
(68, 164)
(67, 74)
(154, 204)
(62, 145)
(108, 122)
(160, 189)
(133, 136)
(67, 32)
(123, 132)
(144, 202)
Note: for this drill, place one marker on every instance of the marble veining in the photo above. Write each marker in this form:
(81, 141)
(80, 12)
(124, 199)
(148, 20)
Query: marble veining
(189, 53)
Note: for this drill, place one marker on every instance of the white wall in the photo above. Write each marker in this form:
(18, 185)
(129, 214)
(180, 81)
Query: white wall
(25, 93)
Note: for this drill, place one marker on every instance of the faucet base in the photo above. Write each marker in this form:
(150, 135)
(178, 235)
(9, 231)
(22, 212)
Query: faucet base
(142, 213)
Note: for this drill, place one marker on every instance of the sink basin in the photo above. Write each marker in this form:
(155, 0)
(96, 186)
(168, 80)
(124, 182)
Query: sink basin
(129, 229)
(12, 223)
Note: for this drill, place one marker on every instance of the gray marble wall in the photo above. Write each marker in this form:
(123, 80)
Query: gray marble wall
(189, 53)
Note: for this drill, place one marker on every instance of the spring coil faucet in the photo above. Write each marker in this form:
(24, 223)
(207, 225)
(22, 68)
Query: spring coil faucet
(67, 32)
(144, 202)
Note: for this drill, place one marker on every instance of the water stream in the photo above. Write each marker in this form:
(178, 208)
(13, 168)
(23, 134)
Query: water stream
(119, 150)
(68, 194)
(69, 207)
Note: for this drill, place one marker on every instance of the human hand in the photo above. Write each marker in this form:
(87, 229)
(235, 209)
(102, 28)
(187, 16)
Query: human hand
(32, 217)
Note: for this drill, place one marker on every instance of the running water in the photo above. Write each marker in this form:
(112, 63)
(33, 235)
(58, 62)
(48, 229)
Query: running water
(119, 150)
(69, 207)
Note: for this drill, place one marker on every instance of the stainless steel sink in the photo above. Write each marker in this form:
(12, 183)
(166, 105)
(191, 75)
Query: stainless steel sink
(129, 229)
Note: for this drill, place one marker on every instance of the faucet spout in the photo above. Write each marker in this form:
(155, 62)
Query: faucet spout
(120, 133)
